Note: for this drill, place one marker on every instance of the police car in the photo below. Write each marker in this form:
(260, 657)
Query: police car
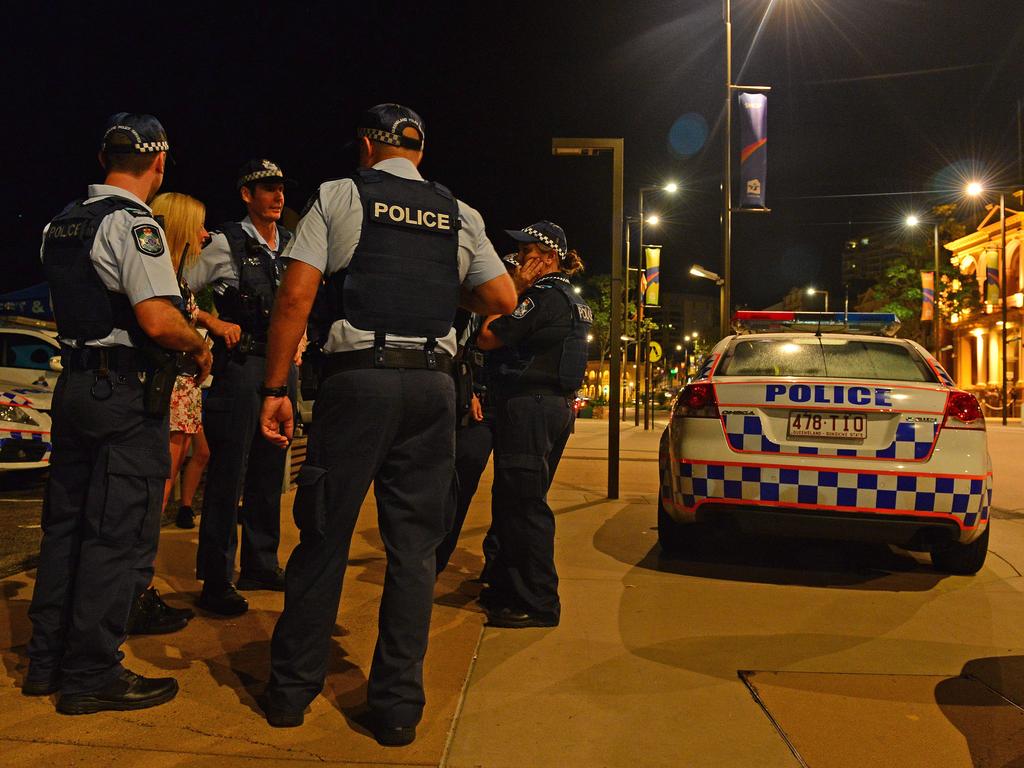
(29, 359)
(24, 433)
(823, 425)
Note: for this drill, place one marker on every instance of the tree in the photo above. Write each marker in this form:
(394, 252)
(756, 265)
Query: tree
(598, 294)
(899, 290)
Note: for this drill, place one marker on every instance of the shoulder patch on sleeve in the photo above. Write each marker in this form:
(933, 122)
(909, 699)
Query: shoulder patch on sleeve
(148, 239)
(523, 309)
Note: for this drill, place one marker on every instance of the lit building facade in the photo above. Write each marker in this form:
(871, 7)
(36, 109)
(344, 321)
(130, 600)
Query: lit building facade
(977, 354)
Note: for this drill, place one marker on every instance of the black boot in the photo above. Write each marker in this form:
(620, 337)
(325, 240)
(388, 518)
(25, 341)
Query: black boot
(129, 691)
(150, 615)
(186, 517)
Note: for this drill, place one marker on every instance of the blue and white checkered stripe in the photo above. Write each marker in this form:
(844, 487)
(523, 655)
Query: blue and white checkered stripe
(966, 498)
(13, 398)
(36, 437)
(913, 441)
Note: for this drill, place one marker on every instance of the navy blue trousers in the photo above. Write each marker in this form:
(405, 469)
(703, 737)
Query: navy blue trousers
(101, 523)
(394, 428)
(532, 432)
(242, 463)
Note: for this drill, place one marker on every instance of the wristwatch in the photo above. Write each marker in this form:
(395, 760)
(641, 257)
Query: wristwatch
(281, 391)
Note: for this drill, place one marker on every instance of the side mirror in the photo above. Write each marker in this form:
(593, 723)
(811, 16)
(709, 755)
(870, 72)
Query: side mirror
(55, 364)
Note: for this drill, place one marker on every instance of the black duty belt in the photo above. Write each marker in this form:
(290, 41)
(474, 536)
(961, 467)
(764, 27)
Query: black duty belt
(121, 359)
(363, 359)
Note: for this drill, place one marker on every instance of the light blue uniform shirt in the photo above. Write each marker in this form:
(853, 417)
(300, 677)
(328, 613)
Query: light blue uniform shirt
(216, 266)
(327, 236)
(124, 268)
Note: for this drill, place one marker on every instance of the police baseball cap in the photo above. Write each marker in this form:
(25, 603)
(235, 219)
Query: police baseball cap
(385, 122)
(551, 235)
(131, 133)
(253, 171)
(511, 261)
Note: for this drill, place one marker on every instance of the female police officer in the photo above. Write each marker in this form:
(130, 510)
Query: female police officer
(548, 332)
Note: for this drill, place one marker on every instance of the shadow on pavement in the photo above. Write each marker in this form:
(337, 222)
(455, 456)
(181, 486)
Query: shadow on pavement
(994, 732)
(728, 555)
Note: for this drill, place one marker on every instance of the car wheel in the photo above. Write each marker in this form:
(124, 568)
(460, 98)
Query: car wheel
(962, 559)
(674, 537)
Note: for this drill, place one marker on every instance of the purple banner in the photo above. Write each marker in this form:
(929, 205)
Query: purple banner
(754, 148)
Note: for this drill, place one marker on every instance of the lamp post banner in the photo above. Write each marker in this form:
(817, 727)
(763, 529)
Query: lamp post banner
(653, 273)
(927, 295)
(754, 152)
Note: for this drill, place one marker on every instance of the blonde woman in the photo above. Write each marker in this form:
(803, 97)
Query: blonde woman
(184, 224)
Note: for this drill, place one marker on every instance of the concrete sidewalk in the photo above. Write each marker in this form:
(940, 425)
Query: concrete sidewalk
(857, 656)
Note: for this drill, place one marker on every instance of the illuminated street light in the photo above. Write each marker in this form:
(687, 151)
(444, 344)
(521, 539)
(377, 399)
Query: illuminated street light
(590, 337)
(679, 347)
(974, 189)
(653, 220)
(812, 291)
(577, 290)
(912, 220)
(698, 271)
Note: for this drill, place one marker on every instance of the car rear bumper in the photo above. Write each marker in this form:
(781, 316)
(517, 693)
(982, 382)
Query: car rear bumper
(909, 531)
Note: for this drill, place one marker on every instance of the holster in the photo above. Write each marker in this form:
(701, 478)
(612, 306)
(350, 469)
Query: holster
(159, 384)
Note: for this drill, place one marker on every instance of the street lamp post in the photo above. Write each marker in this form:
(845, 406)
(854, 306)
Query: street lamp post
(812, 291)
(587, 147)
(913, 221)
(974, 189)
(671, 188)
(698, 271)
(723, 317)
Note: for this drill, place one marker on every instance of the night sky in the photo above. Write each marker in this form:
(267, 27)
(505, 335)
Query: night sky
(868, 96)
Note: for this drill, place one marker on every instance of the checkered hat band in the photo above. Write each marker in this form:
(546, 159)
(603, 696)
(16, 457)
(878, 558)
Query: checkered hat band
(384, 137)
(152, 146)
(549, 242)
(274, 173)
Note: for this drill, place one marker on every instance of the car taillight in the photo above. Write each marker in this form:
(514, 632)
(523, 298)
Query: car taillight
(696, 401)
(963, 411)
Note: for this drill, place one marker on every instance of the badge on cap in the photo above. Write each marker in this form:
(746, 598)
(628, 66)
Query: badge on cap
(148, 239)
(523, 309)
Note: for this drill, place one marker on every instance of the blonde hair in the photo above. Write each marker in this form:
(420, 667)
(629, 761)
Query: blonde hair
(569, 265)
(183, 218)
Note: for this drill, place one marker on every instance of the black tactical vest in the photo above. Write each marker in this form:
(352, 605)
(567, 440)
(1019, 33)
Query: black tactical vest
(573, 365)
(520, 370)
(259, 274)
(404, 275)
(82, 305)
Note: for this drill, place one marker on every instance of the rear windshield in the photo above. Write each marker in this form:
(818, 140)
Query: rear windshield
(825, 357)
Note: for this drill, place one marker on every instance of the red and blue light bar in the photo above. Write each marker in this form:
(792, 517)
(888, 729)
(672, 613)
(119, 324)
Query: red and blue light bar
(869, 323)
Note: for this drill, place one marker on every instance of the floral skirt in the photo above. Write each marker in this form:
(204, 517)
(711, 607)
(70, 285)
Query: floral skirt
(186, 406)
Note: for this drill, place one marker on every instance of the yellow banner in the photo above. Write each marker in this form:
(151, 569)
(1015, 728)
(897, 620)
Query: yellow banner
(653, 256)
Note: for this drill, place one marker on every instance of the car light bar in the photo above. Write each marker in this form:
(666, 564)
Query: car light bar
(870, 323)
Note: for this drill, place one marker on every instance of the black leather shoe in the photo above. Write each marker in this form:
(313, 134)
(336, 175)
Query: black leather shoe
(269, 580)
(492, 600)
(386, 735)
(516, 618)
(150, 615)
(280, 718)
(185, 518)
(222, 600)
(185, 613)
(41, 687)
(129, 691)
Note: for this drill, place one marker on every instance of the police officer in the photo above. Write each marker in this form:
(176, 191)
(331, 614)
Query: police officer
(396, 252)
(242, 262)
(474, 433)
(116, 301)
(548, 333)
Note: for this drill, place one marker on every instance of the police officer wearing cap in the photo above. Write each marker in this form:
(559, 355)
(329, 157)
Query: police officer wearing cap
(548, 334)
(117, 306)
(243, 264)
(398, 255)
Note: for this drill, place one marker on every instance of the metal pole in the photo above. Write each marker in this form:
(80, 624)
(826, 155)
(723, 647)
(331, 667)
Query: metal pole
(727, 178)
(618, 150)
(585, 147)
(625, 311)
(1002, 278)
(826, 301)
(648, 388)
(937, 318)
(639, 311)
